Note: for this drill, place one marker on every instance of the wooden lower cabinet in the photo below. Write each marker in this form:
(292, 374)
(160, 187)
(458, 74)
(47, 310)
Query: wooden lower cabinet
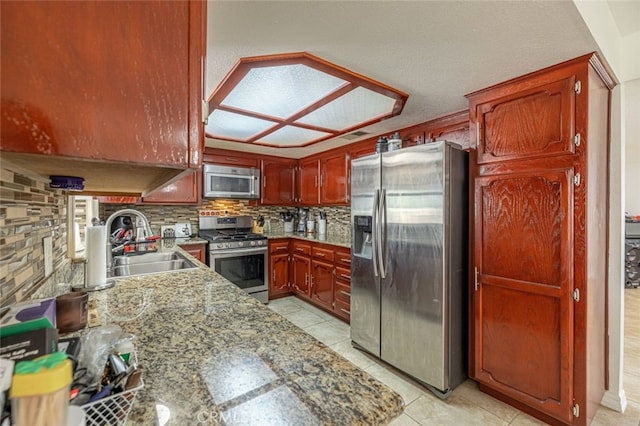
(199, 251)
(319, 273)
(322, 283)
(342, 294)
(279, 258)
(539, 252)
(300, 272)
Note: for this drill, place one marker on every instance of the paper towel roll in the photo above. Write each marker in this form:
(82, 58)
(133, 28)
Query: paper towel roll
(96, 242)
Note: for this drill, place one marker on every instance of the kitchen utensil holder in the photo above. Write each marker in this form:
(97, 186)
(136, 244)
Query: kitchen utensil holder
(112, 410)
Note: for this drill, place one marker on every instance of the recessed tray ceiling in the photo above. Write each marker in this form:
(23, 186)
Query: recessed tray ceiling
(296, 99)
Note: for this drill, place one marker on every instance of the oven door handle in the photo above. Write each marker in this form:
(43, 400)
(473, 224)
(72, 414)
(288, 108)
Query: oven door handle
(242, 251)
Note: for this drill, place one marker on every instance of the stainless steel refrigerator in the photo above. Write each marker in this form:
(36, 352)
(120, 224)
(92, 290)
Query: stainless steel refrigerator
(409, 220)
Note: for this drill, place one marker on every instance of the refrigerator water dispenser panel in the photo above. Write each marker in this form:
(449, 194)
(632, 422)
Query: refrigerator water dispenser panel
(362, 236)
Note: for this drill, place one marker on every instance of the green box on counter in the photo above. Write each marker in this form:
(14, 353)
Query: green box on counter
(27, 316)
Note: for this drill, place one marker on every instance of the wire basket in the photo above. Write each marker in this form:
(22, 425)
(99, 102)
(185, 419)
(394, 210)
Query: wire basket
(112, 410)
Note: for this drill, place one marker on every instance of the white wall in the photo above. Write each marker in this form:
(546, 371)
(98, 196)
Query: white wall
(632, 145)
(621, 54)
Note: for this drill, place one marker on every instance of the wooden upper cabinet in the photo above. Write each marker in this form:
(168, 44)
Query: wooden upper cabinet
(278, 182)
(183, 191)
(453, 128)
(334, 179)
(533, 123)
(227, 157)
(362, 149)
(118, 200)
(308, 182)
(116, 81)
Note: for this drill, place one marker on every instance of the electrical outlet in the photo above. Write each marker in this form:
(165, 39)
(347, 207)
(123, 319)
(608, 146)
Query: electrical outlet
(47, 248)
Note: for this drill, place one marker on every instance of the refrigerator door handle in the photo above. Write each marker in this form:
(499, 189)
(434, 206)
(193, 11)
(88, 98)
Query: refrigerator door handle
(382, 227)
(374, 232)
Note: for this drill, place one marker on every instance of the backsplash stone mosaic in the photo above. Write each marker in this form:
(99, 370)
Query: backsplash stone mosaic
(338, 218)
(30, 211)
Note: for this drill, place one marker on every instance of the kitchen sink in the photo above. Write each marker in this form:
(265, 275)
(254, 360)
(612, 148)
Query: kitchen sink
(150, 263)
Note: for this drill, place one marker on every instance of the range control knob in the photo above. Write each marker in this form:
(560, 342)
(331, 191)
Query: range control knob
(227, 245)
(240, 244)
(260, 242)
(252, 243)
(219, 245)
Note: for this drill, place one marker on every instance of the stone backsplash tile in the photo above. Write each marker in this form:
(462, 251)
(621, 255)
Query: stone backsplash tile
(29, 212)
(338, 218)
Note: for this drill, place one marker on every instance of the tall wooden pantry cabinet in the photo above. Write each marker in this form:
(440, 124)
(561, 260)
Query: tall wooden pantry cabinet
(539, 186)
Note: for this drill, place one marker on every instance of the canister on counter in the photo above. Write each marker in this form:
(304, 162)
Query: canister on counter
(40, 391)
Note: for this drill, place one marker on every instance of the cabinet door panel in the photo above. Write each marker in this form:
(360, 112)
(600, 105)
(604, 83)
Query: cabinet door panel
(524, 316)
(308, 175)
(182, 191)
(196, 250)
(301, 270)
(278, 180)
(322, 283)
(113, 81)
(334, 185)
(532, 123)
(279, 282)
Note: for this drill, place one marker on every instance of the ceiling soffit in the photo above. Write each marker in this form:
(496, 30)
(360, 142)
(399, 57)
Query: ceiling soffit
(294, 100)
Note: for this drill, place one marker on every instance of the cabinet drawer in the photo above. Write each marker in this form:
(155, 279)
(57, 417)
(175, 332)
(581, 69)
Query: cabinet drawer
(301, 248)
(343, 309)
(342, 292)
(279, 247)
(343, 257)
(322, 253)
(343, 274)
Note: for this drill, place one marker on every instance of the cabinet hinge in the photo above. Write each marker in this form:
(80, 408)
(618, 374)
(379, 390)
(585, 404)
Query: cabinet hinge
(576, 139)
(475, 278)
(577, 179)
(577, 87)
(576, 410)
(576, 295)
(205, 112)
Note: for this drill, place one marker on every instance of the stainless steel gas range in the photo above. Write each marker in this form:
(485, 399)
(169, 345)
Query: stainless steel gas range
(236, 253)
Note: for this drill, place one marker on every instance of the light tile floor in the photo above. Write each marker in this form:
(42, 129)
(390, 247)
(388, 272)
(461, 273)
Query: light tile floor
(466, 405)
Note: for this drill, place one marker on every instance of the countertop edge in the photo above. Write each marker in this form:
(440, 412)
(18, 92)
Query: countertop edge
(333, 240)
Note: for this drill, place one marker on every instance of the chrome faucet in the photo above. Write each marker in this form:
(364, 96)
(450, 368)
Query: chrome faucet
(141, 232)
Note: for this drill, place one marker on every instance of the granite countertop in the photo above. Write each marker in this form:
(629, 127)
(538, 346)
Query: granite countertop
(333, 239)
(212, 354)
(184, 241)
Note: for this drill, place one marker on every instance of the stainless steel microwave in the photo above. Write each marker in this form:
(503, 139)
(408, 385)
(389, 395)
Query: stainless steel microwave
(231, 182)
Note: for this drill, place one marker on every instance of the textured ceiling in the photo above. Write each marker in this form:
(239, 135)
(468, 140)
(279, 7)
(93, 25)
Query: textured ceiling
(626, 15)
(437, 51)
